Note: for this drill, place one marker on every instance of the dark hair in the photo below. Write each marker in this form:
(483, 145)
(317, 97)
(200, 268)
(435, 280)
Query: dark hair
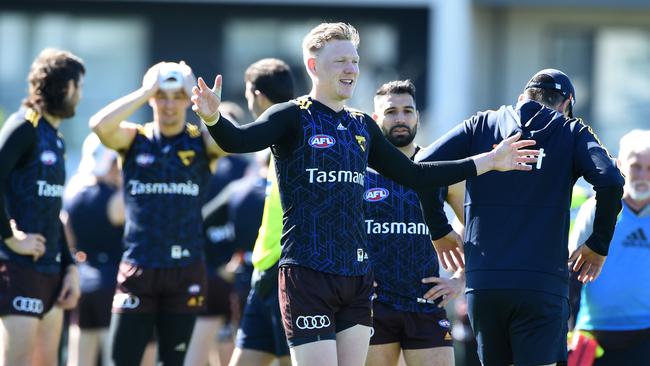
(272, 77)
(548, 97)
(48, 80)
(397, 87)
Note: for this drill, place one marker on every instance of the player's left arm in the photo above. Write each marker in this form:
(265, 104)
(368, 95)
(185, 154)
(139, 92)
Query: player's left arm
(594, 163)
(70, 288)
(213, 150)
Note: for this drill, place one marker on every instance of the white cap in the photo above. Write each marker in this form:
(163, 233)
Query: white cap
(96, 159)
(174, 76)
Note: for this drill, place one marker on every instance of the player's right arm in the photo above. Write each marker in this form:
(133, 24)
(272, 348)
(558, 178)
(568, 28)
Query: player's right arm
(594, 163)
(277, 125)
(110, 122)
(17, 138)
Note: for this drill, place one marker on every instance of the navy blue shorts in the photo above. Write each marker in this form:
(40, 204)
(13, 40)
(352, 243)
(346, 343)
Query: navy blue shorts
(261, 328)
(518, 326)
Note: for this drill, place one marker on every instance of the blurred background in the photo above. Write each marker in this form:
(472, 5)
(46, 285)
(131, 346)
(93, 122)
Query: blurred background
(463, 55)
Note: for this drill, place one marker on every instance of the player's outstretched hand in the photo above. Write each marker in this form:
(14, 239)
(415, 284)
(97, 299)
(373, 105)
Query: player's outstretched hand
(509, 155)
(447, 288)
(450, 251)
(588, 262)
(206, 100)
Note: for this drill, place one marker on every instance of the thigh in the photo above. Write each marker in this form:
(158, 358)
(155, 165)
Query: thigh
(18, 338)
(319, 353)
(439, 356)
(488, 312)
(48, 337)
(352, 345)
(538, 328)
(307, 301)
(183, 289)
(385, 354)
(426, 330)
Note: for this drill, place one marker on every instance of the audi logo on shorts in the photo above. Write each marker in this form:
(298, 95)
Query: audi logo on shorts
(28, 304)
(125, 301)
(313, 322)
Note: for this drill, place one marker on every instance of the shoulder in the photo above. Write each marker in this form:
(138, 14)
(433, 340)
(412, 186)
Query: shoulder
(21, 124)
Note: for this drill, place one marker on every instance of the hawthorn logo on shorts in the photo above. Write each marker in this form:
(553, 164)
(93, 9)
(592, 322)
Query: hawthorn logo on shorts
(28, 304)
(48, 157)
(376, 194)
(125, 301)
(444, 323)
(322, 141)
(195, 301)
(313, 322)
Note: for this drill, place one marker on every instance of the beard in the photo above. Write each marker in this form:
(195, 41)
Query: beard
(638, 190)
(400, 140)
(67, 109)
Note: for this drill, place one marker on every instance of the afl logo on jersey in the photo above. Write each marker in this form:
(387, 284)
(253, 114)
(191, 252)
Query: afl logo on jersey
(144, 159)
(322, 141)
(375, 194)
(48, 157)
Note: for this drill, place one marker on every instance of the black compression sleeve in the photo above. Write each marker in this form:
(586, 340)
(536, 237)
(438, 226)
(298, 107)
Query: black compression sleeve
(278, 125)
(608, 205)
(17, 138)
(391, 163)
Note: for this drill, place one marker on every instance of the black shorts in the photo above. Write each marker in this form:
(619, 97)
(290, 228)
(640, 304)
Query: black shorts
(25, 291)
(410, 329)
(316, 305)
(519, 326)
(94, 309)
(179, 290)
(217, 297)
(261, 328)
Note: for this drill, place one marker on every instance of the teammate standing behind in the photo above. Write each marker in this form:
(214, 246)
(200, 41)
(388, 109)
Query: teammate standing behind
(517, 224)
(161, 280)
(36, 267)
(401, 253)
(260, 337)
(94, 227)
(322, 150)
(616, 308)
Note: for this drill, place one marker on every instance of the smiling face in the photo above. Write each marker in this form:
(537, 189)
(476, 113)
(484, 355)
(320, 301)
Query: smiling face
(397, 117)
(335, 70)
(170, 107)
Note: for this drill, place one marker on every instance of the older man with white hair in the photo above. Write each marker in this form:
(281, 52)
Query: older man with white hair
(616, 308)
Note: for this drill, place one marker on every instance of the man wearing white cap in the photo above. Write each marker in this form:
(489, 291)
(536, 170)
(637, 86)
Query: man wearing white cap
(165, 164)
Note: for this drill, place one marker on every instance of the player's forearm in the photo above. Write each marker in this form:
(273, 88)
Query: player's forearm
(107, 121)
(608, 206)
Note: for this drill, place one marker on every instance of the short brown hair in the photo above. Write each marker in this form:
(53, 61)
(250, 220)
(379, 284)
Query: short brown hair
(272, 77)
(325, 32)
(48, 80)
